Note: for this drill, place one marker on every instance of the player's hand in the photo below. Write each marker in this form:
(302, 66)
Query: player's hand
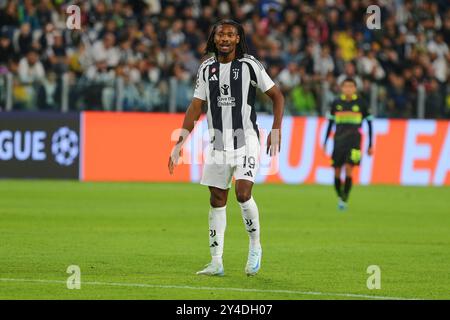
(173, 159)
(370, 151)
(274, 142)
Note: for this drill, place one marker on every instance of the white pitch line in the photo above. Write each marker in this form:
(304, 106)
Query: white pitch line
(157, 286)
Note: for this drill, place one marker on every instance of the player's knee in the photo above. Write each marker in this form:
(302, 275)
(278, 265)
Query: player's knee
(243, 195)
(337, 172)
(218, 200)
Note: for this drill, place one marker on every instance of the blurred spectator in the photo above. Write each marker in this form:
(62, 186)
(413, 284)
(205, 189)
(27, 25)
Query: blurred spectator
(288, 78)
(31, 69)
(8, 17)
(350, 72)
(303, 100)
(6, 49)
(31, 74)
(369, 66)
(24, 39)
(399, 103)
(434, 105)
(105, 50)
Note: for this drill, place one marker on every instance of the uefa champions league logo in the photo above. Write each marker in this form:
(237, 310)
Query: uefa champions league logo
(65, 146)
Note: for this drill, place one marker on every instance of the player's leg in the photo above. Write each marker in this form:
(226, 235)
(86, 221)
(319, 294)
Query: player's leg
(249, 210)
(217, 176)
(342, 205)
(217, 225)
(337, 181)
(247, 165)
(250, 216)
(353, 159)
(338, 160)
(348, 181)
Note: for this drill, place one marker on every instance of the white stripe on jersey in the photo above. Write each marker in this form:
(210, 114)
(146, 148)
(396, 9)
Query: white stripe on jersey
(225, 93)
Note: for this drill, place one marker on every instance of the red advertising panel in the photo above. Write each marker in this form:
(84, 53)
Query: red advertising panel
(136, 146)
(129, 146)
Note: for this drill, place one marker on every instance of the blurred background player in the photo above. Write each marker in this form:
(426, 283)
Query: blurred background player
(348, 111)
(227, 82)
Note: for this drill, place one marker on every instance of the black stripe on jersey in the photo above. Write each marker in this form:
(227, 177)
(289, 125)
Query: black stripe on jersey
(216, 112)
(204, 70)
(236, 111)
(252, 96)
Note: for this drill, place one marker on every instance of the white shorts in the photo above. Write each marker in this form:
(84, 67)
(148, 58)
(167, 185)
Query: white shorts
(221, 166)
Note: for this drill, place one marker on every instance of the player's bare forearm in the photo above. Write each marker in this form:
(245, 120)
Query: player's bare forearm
(277, 98)
(193, 113)
(274, 139)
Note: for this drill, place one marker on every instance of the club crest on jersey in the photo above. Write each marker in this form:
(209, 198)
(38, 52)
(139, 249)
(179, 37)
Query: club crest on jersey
(235, 73)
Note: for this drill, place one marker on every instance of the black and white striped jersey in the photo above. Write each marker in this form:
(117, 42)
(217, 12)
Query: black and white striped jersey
(230, 90)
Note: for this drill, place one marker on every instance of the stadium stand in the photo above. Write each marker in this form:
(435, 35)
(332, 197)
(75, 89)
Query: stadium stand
(143, 55)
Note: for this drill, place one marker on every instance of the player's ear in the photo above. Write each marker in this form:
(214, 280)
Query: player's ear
(238, 39)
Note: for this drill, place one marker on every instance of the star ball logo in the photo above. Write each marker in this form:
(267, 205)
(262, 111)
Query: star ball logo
(65, 146)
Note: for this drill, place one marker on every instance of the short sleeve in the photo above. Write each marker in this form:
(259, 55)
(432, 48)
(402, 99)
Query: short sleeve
(200, 85)
(264, 80)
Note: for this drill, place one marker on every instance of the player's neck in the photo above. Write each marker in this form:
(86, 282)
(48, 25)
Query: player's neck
(226, 58)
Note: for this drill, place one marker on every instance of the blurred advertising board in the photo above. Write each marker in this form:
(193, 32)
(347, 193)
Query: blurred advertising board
(39, 145)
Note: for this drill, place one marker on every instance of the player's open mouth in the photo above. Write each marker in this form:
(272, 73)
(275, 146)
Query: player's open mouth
(224, 46)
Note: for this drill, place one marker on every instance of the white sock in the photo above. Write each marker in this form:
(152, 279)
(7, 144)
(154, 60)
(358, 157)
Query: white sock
(250, 214)
(217, 225)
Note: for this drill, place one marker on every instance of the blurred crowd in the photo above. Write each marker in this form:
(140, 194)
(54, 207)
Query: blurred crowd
(149, 52)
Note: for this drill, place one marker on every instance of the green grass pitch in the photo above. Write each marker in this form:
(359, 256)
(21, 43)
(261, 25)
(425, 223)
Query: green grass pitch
(147, 240)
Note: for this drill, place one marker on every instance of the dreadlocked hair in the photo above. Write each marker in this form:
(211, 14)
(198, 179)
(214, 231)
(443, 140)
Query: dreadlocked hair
(241, 47)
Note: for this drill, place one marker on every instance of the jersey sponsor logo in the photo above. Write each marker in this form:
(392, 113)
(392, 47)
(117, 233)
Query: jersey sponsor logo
(225, 88)
(213, 78)
(224, 102)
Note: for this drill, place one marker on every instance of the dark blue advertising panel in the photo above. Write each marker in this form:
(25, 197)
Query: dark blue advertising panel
(39, 145)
